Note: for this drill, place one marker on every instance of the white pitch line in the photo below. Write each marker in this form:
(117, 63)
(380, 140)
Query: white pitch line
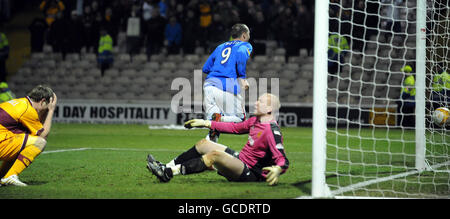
(65, 150)
(138, 149)
(110, 149)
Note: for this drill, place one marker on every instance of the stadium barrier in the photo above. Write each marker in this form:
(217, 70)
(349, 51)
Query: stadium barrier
(160, 113)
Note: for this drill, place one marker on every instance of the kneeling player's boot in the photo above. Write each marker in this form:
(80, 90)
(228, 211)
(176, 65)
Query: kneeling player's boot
(213, 134)
(158, 169)
(12, 180)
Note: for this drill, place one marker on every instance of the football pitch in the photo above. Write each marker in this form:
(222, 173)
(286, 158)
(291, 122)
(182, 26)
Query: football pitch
(108, 161)
(83, 161)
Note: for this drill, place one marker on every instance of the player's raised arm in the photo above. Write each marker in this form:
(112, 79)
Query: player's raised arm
(233, 127)
(227, 127)
(48, 120)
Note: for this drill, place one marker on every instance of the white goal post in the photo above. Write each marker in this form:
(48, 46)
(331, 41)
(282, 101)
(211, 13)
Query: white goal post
(365, 142)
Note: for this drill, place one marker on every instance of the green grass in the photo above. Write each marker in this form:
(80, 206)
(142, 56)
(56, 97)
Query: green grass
(113, 165)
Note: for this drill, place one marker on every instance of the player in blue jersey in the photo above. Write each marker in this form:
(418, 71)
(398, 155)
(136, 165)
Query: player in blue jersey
(225, 69)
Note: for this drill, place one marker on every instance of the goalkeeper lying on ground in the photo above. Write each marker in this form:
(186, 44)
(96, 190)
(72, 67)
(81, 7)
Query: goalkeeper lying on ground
(262, 158)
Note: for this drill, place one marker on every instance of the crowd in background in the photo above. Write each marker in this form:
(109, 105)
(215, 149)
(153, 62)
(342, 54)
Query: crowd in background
(178, 25)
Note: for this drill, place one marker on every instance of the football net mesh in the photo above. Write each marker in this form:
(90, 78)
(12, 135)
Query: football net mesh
(370, 141)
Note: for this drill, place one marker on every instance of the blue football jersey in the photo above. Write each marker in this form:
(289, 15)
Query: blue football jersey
(226, 64)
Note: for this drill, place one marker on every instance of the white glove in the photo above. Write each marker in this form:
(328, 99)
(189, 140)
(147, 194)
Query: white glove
(273, 175)
(199, 123)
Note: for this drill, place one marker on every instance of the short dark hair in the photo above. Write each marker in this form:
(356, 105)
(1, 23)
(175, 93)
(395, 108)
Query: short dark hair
(238, 29)
(40, 92)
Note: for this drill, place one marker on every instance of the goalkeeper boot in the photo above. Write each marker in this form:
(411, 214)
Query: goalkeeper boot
(213, 134)
(158, 169)
(12, 180)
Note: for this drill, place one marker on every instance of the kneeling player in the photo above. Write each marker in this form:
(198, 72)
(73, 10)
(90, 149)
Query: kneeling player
(24, 126)
(262, 158)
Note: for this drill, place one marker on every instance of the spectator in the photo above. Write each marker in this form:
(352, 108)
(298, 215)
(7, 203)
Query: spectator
(242, 9)
(259, 34)
(51, 8)
(358, 28)
(407, 104)
(337, 46)
(111, 24)
(171, 9)
(345, 21)
(217, 30)
(372, 18)
(205, 21)
(57, 36)
(259, 31)
(88, 20)
(189, 27)
(133, 34)
(122, 11)
(147, 10)
(225, 10)
(335, 14)
(155, 33)
(251, 13)
(105, 51)
(95, 7)
(441, 89)
(305, 22)
(96, 25)
(179, 12)
(275, 11)
(286, 38)
(173, 34)
(393, 24)
(4, 54)
(162, 8)
(5, 93)
(75, 33)
(37, 29)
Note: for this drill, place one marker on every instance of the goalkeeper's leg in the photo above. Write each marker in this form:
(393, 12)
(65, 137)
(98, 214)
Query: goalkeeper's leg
(191, 157)
(227, 165)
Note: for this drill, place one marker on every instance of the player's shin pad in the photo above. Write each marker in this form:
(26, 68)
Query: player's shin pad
(195, 165)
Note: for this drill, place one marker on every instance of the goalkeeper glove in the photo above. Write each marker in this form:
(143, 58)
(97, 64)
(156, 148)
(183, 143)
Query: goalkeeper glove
(197, 123)
(273, 175)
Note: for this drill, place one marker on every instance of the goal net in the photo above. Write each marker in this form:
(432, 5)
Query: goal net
(375, 63)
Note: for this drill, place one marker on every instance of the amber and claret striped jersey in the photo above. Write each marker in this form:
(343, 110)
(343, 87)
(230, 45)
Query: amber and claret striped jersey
(18, 116)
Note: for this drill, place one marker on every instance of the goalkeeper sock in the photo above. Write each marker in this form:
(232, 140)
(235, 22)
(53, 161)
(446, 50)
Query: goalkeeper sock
(195, 165)
(188, 155)
(175, 169)
(24, 159)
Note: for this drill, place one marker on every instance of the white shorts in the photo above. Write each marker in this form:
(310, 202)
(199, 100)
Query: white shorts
(225, 103)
